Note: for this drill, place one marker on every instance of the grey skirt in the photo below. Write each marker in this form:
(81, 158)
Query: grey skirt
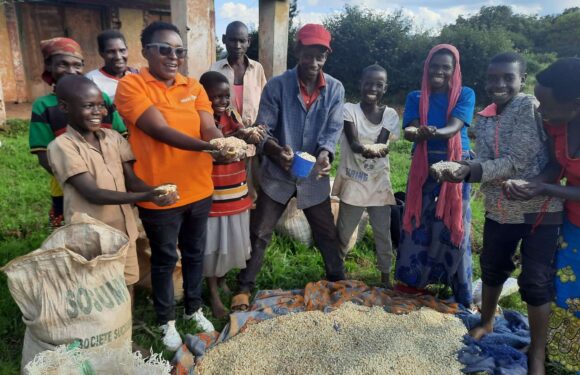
(227, 245)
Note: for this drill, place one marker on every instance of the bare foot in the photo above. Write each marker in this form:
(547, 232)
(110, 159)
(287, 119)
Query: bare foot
(218, 309)
(480, 331)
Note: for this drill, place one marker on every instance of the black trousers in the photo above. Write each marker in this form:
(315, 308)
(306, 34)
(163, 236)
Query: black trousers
(500, 242)
(263, 219)
(164, 228)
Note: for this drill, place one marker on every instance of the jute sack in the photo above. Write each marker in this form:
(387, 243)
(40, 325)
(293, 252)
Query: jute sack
(101, 360)
(293, 224)
(73, 288)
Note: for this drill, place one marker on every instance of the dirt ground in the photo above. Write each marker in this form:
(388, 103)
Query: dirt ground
(18, 111)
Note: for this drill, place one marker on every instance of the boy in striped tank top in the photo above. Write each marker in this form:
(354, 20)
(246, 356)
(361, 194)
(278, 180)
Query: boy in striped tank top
(228, 228)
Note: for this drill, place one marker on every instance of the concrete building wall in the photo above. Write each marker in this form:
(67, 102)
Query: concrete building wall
(132, 22)
(24, 24)
(7, 76)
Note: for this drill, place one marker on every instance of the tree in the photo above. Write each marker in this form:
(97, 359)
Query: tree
(563, 36)
(362, 37)
(476, 48)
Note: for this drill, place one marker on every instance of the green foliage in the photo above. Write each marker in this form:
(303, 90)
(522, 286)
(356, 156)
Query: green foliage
(24, 203)
(475, 48)
(563, 34)
(362, 37)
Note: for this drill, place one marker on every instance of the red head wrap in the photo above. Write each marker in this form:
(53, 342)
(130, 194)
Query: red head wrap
(58, 46)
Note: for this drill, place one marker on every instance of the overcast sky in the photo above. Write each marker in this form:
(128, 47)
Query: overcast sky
(427, 14)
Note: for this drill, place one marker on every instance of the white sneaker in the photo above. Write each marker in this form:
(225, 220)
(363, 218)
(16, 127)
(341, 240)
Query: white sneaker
(171, 338)
(201, 320)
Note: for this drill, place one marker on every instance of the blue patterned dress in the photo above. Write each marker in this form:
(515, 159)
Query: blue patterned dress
(426, 255)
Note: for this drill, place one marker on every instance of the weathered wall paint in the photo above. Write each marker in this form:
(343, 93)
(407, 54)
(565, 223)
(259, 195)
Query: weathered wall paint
(196, 21)
(273, 36)
(132, 23)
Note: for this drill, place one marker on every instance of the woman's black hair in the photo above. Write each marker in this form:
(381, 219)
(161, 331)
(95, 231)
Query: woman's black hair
(107, 35)
(374, 68)
(563, 77)
(149, 31)
(510, 57)
(211, 78)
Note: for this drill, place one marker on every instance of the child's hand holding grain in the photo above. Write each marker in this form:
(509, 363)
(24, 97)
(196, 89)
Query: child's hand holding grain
(164, 195)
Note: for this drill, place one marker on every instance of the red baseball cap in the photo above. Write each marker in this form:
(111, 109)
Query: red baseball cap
(314, 34)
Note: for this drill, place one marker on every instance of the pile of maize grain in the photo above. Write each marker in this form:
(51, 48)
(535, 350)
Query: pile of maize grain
(233, 146)
(351, 340)
(445, 166)
(229, 143)
(519, 183)
(306, 156)
(378, 147)
(166, 188)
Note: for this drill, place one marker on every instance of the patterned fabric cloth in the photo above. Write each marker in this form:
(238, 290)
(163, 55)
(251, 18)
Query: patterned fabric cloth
(571, 166)
(284, 112)
(427, 255)
(511, 145)
(58, 46)
(564, 333)
(500, 352)
(322, 295)
(230, 195)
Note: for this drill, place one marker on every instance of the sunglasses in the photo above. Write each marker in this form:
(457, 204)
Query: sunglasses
(166, 50)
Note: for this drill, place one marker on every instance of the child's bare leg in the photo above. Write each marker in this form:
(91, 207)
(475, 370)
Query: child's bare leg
(224, 285)
(217, 307)
(538, 317)
(489, 299)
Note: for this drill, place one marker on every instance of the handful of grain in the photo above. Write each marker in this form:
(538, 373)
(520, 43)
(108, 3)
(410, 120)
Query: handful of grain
(351, 340)
(376, 148)
(411, 129)
(166, 189)
(233, 146)
(306, 156)
(445, 166)
(518, 183)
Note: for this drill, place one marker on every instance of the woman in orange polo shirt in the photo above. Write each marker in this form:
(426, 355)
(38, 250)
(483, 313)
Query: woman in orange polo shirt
(170, 119)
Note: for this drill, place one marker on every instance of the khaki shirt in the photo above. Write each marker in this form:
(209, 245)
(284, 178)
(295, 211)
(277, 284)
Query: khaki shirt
(70, 155)
(254, 82)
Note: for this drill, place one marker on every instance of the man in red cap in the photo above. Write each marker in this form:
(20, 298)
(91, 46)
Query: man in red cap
(302, 109)
(61, 56)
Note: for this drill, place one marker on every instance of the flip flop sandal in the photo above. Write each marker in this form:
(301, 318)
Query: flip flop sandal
(241, 302)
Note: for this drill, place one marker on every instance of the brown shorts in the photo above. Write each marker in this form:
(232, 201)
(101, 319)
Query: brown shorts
(131, 264)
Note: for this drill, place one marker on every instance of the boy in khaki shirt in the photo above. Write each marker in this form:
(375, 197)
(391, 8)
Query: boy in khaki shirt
(95, 167)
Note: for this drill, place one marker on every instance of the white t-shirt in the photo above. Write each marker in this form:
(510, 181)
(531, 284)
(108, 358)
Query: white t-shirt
(360, 181)
(106, 82)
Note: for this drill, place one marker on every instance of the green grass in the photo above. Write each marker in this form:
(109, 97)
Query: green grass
(24, 203)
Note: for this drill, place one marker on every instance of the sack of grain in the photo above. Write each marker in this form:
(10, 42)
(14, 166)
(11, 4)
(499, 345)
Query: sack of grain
(293, 223)
(359, 232)
(103, 360)
(73, 288)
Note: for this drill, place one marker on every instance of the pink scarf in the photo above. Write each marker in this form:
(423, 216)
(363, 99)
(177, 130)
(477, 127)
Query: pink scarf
(449, 205)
